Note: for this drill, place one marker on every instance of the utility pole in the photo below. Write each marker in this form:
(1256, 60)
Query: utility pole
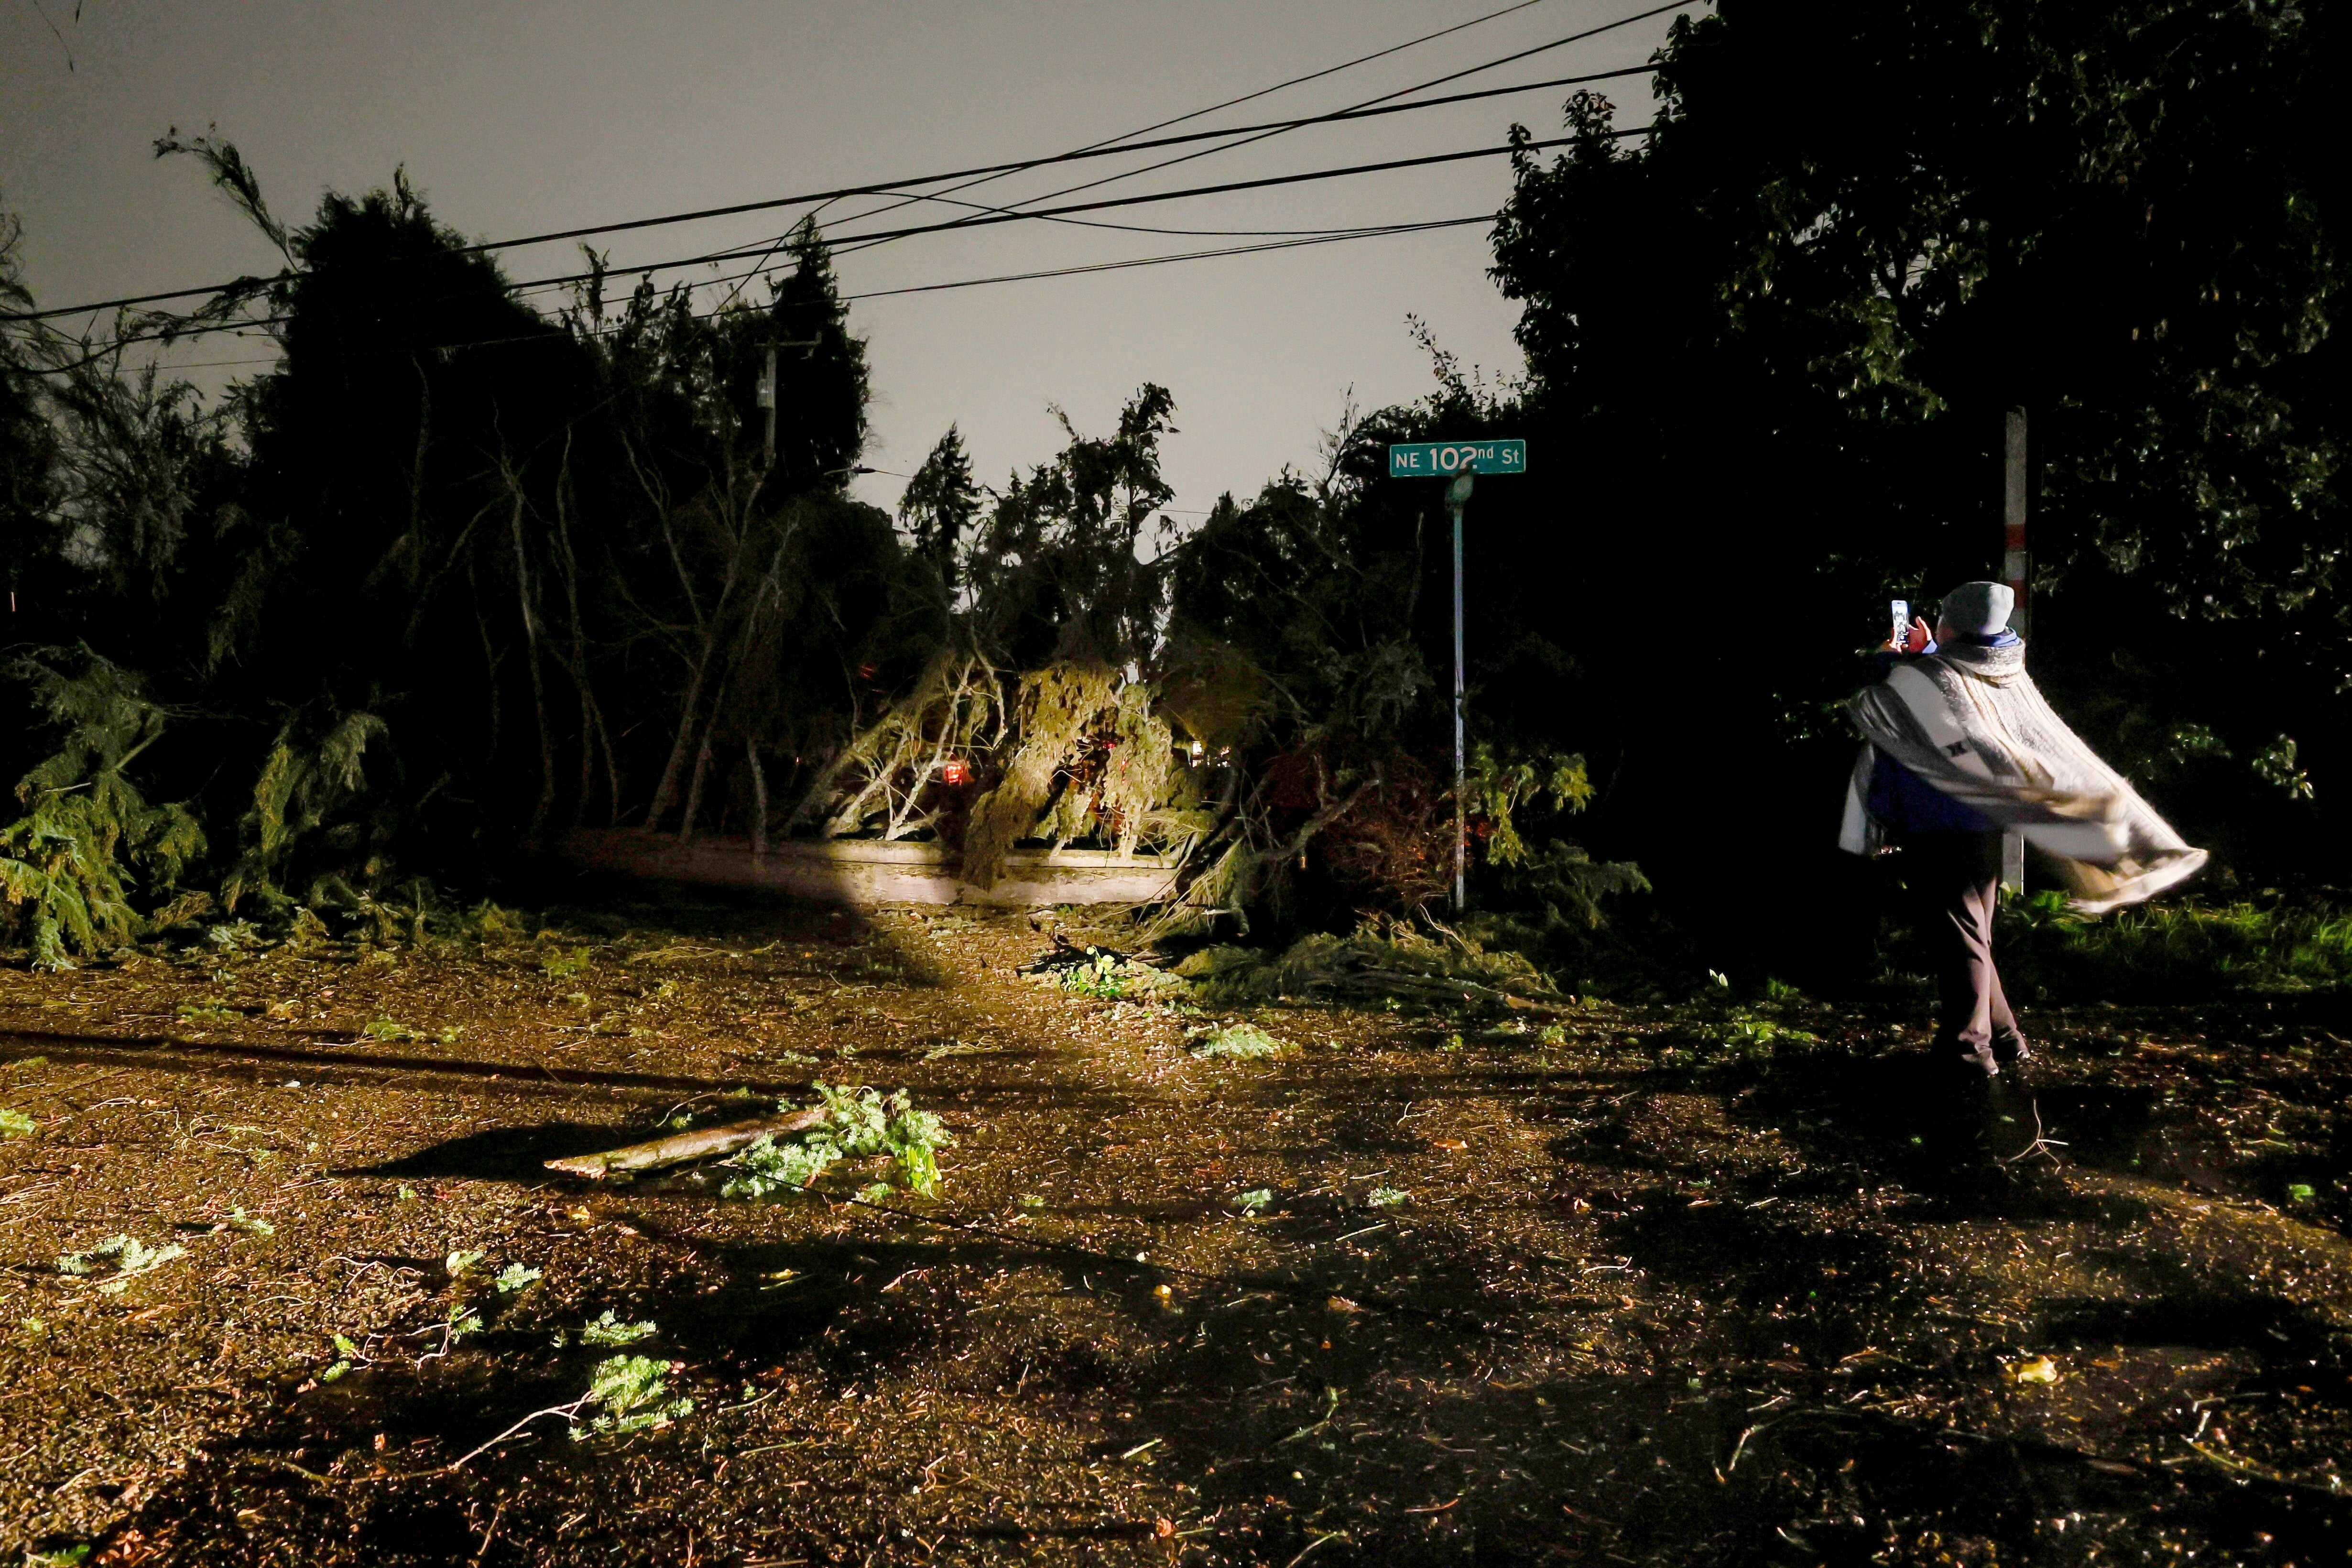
(1457, 496)
(2014, 561)
(2015, 571)
(768, 401)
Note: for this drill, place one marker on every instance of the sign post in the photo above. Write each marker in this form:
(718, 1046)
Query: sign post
(1459, 461)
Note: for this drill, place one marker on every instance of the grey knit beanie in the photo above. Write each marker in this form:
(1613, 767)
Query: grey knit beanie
(1978, 609)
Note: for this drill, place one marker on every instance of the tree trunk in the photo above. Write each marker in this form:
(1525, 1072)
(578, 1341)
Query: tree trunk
(694, 789)
(759, 798)
(546, 802)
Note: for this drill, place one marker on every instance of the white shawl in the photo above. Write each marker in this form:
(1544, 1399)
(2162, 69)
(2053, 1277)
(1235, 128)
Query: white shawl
(1970, 722)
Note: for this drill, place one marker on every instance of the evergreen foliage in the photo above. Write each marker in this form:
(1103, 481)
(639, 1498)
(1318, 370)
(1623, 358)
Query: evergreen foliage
(66, 865)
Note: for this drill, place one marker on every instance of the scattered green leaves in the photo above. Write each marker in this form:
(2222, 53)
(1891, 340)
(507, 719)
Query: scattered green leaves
(859, 1123)
(16, 1123)
(1387, 1197)
(514, 1276)
(1253, 1202)
(391, 1031)
(630, 1389)
(1097, 976)
(561, 965)
(1233, 1042)
(127, 1254)
(608, 1329)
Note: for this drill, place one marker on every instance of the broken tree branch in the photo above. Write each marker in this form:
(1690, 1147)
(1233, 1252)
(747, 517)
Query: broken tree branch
(679, 1148)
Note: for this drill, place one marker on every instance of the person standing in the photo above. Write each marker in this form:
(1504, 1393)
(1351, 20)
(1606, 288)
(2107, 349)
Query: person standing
(1960, 747)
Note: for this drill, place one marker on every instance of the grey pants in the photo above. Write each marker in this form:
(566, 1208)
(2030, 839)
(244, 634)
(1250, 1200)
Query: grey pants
(1955, 879)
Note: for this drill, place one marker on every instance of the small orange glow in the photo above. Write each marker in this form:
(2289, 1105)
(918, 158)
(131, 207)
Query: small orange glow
(955, 771)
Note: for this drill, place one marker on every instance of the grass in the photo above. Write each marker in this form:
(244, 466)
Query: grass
(1233, 1042)
(1737, 1036)
(2173, 952)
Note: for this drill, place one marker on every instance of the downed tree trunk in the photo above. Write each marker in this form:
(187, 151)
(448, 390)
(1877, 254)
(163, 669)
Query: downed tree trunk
(706, 1143)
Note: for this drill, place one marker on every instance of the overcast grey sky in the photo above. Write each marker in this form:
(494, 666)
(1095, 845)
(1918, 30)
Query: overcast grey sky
(527, 115)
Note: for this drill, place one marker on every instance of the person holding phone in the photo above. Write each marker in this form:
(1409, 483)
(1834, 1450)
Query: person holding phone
(1960, 747)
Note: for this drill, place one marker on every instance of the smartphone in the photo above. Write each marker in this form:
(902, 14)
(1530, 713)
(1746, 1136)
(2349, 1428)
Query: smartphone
(1901, 610)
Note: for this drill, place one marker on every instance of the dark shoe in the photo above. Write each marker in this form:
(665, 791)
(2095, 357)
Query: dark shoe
(2010, 1048)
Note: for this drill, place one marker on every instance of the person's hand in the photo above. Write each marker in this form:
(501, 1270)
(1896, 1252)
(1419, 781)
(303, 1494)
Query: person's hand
(1914, 640)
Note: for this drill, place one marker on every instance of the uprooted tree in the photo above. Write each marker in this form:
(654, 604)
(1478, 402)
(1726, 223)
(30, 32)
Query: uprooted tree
(458, 574)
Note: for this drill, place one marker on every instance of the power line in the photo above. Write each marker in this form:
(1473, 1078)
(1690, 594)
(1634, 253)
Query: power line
(881, 187)
(1378, 232)
(1140, 228)
(1369, 232)
(1368, 104)
(1262, 182)
(1113, 143)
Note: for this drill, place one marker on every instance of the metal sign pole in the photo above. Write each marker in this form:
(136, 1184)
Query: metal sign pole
(1460, 461)
(1457, 495)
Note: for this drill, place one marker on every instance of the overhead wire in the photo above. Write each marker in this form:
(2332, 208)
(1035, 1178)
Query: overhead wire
(178, 331)
(1205, 233)
(1127, 141)
(880, 187)
(855, 242)
(1113, 143)
(1261, 183)
(1372, 232)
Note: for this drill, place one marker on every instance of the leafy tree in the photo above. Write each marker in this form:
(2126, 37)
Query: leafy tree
(1772, 351)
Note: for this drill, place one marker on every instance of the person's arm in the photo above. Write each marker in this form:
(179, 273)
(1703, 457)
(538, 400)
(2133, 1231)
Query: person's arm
(1915, 640)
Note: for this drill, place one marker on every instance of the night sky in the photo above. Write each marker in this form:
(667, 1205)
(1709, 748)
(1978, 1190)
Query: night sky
(517, 118)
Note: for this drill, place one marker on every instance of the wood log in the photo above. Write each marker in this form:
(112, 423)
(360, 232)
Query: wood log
(680, 1148)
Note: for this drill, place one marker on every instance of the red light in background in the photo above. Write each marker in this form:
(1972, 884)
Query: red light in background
(955, 771)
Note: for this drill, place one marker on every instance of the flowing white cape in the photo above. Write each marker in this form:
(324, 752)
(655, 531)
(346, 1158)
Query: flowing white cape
(1970, 722)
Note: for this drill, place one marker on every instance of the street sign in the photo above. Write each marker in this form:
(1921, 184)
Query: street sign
(1458, 461)
(1443, 459)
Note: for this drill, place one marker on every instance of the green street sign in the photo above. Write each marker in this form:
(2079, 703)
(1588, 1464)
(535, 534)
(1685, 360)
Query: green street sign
(1443, 459)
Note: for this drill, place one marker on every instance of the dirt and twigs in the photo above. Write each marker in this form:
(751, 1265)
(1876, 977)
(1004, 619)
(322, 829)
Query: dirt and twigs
(1142, 1267)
